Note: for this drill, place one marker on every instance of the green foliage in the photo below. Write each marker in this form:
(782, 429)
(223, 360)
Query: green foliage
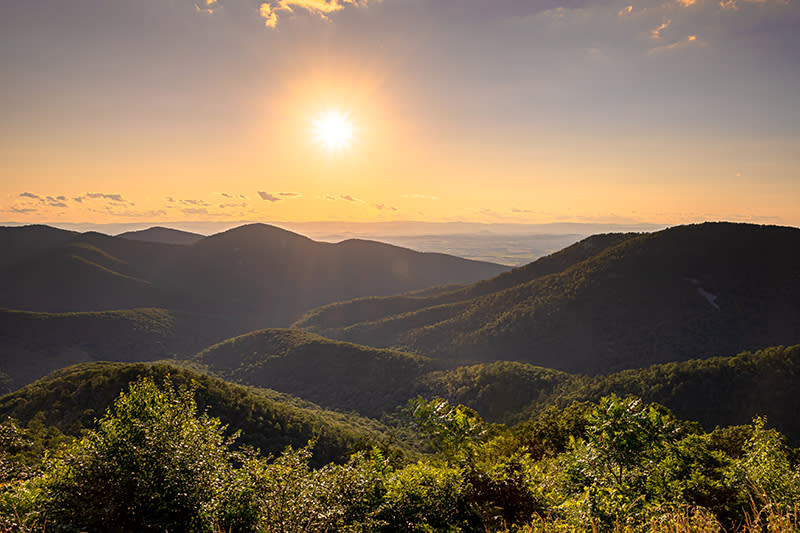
(427, 498)
(72, 398)
(152, 464)
(454, 431)
(765, 468)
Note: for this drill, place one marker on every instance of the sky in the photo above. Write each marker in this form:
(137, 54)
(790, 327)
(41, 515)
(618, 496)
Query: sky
(512, 111)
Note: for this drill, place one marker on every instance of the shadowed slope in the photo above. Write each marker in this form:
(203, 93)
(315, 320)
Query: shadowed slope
(260, 274)
(690, 291)
(335, 374)
(34, 344)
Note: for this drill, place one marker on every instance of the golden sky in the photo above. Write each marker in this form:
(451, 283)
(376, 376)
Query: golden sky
(509, 111)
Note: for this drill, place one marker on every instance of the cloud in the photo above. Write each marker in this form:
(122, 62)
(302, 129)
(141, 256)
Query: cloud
(382, 207)
(102, 196)
(656, 33)
(16, 209)
(689, 41)
(197, 203)
(269, 15)
(517, 210)
(290, 194)
(30, 195)
(348, 198)
(195, 210)
(321, 8)
(268, 197)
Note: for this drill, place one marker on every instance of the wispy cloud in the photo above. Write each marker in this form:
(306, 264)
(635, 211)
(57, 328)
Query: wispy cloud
(382, 207)
(30, 195)
(689, 41)
(101, 196)
(268, 197)
(656, 33)
(271, 11)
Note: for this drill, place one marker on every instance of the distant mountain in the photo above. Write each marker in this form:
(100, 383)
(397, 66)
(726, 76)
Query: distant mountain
(22, 242)
(607, 303)
(258, 274)
(334, 374)
(71, 399)
(162, 235)
(34, 344)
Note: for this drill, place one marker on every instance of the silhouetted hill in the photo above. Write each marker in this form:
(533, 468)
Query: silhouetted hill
(259, 274)
(334, 374)
(71, 399)
(20, 243)
(685, 292)
(162, 235)
(35, 344)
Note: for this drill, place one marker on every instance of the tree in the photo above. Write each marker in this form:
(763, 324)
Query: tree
(152, 464)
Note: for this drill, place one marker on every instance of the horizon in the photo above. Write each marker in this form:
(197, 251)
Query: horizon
(609, 112)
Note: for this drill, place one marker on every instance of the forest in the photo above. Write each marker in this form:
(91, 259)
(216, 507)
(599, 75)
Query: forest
(155, 461)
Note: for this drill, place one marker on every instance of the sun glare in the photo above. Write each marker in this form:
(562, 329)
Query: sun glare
(334, 130)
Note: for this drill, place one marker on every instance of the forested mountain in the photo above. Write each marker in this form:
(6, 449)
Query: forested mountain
(262, 275)
(19, 243)
(35, 344)
(162, 235)
(70, 399)
(718, 391)
(685, 292)
(334, 374)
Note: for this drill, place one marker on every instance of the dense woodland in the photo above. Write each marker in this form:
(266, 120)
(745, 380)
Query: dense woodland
(155, 462)
(631, 382)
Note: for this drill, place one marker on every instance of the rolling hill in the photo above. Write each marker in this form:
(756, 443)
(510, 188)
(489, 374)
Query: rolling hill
(35, 344)
(685, 292)
(259, 274)
(162, 235)
(70, 399)
(334, 374)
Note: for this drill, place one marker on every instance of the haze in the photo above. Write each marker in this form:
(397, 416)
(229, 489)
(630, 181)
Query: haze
(505, 111)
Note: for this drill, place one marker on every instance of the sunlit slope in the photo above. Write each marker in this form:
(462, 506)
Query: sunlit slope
(686, 292)
(335, 374)
(717, 391)
(71, 398)
(344, 314)
(34, 344)
(259, 274)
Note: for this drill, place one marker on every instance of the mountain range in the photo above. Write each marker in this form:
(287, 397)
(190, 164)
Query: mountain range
(659, 315)
(607, 303)
(261, 275)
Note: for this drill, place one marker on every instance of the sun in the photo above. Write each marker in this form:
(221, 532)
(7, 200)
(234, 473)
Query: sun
(334, 130)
